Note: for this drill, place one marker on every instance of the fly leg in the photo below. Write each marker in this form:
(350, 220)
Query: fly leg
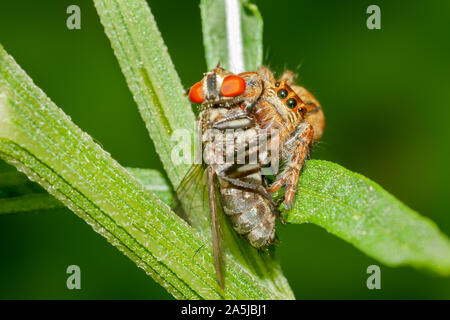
(228, 123)
(239, 120)
(246, 185)
(275, 205)
(294, 151)
(277, 211)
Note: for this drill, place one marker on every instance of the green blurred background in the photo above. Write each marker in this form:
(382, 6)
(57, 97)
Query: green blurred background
(386, 98)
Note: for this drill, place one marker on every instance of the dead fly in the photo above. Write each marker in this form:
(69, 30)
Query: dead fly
(250, 103)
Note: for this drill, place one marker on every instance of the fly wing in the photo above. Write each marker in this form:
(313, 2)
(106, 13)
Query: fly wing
(191, 196)
(215, 209)
(196, 193)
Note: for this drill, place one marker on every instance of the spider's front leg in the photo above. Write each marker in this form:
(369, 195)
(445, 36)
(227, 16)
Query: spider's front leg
(294, 151)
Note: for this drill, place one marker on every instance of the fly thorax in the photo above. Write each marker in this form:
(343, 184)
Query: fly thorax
(211, 86)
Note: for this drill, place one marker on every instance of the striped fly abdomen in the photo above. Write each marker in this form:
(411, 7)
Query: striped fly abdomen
(251, 213)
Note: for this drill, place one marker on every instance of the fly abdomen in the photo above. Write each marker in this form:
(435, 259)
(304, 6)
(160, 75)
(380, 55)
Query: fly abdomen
(249, 212)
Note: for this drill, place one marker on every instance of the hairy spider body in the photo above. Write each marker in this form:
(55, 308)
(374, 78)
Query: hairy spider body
(297, 116)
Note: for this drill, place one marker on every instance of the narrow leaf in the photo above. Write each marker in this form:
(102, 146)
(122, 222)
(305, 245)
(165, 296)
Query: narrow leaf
(364, 214)
(26, 199)
(28, 203)
(13, 184)
(154, 182)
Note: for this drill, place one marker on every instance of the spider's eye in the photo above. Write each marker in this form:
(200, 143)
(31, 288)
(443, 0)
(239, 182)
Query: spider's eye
(232, 86)
(301, 110)
(291, 103)
(277, 84)
(282, 93)
(196, 93)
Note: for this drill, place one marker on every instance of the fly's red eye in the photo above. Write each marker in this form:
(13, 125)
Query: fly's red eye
(232, 86)
(196, 93)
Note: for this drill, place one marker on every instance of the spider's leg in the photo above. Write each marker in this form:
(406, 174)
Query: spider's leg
(296, 149)
(288, 77)
(266, 75)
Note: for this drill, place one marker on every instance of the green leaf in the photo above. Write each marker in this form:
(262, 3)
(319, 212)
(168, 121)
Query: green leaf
(41, 141)
(13, 184)
(150, 75)
(154, 182)
(16, 194)
(361, 212)
(29, 202)
(224, 35)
